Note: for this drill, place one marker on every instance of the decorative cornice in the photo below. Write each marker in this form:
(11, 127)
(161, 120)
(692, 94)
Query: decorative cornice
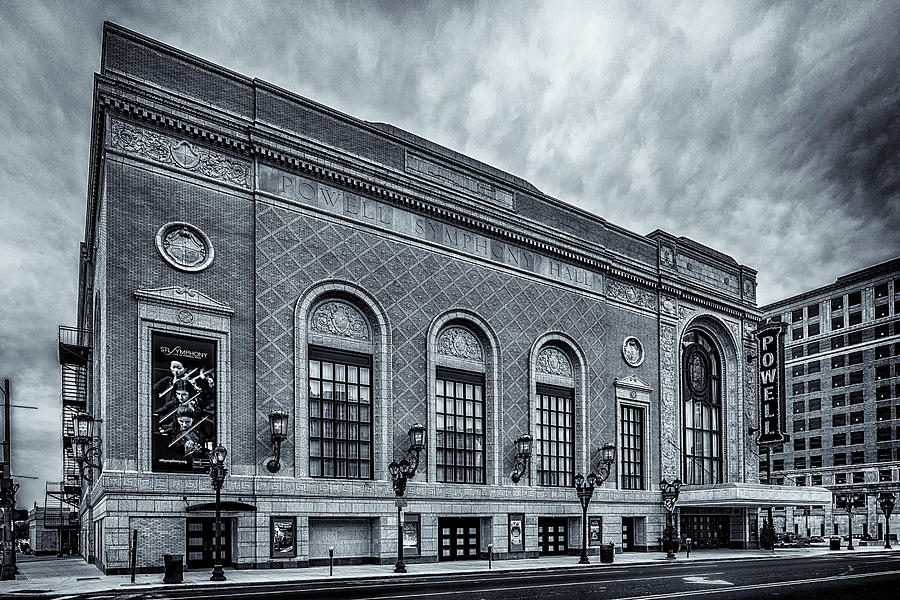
(178, 153)
(183, 296)
(632, 382)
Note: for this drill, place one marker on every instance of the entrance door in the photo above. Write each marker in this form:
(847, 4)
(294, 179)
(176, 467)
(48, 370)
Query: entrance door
(706, 531)
(553, 535)
(459, 539)
(627, 534)
(201, 542)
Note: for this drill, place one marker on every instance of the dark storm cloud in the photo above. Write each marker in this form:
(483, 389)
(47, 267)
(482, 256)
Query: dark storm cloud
(768, 131)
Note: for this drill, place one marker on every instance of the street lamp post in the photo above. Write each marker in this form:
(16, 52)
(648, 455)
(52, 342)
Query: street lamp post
(670, 497)
(400, 472)
(806, 512)
(886, 502)
(584, 488)
(217, 472)
(847, 502)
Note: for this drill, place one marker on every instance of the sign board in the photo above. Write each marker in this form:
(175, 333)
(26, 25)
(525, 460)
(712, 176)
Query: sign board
(770, 362)
(401, 502)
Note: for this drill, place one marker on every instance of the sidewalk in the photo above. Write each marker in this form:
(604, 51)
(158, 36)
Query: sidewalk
(72, 575)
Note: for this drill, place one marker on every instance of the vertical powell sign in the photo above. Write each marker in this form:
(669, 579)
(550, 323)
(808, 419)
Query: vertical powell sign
(770, 359)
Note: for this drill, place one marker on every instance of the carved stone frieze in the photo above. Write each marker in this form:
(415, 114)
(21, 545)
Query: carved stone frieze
(553, 362)
(668, 374)
(684, 311)
(751, 420)
(668, 306)
(625, 292)
(341, 319)
(460, 343)
(170, 151)
(667, 257)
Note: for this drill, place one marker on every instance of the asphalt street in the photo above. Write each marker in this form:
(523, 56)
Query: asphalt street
(871, 575)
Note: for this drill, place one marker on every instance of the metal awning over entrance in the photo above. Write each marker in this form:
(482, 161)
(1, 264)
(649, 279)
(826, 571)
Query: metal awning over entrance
(225, 506)
(749, 495)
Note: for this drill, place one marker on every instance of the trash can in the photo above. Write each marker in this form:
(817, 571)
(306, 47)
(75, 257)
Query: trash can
(834, 543)
(174, 568)
(607, 552)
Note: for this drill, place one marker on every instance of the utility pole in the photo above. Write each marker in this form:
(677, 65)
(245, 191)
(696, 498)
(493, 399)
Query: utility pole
(8, 493)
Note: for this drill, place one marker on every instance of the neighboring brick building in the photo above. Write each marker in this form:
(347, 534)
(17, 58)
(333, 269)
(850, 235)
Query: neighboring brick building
(248, 250)
(843, 387)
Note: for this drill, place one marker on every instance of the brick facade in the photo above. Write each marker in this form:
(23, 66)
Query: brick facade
(304, 206)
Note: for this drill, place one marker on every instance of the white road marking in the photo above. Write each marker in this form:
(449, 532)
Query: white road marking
(704, 579)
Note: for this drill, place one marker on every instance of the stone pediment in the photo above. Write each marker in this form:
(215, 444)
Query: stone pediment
(632, 382)
(183, 296)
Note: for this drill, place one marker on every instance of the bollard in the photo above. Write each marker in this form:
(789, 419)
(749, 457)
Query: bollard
(134, 540)
(490, 555)
(330, 561)
(687, 547)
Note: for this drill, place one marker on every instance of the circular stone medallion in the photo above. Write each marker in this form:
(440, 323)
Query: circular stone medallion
(633, 351)
(184, 246)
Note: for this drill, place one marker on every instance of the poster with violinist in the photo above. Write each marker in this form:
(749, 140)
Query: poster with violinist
(183, 401)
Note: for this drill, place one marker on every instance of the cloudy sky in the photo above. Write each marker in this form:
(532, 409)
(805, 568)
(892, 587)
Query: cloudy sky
(767, 131)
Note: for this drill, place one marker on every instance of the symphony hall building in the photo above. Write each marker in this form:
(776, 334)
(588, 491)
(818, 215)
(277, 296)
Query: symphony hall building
(248, 251)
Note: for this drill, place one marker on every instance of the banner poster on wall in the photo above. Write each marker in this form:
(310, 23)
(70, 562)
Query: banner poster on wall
(517, 532)
(183, 400)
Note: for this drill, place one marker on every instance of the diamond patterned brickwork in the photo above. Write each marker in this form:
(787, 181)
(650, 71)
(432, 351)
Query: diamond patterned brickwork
(415, 285)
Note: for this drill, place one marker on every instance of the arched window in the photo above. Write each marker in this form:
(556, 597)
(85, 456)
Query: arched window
(554, 417)
(701, 394)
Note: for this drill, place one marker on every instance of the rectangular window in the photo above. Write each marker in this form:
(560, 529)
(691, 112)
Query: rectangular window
(837, 303)
(837, 381)
(855, 318)
(854, 298)
(797, 352)
(797, 388)
(856, 377)
(815, 404)
(839, 479)
(838, 420)
(459, 431)
(814, 385)
(797, 315)
(840, 459)
(340, 415)
(854, 338)
(884, 455)
(813, 367)
(838, 400)
(883, 393)
(632, 448)
(800, 425)
(778, 464)
(815, 442)
(882, 351)
(815, 480)
(882, 372)
(812, 348)
(800, 462)
(815, 423)
(813, 329)
(799, 407)
(797, 371)
(838, 361)
(881, 290)
(881, 310)
(854, 358)
(815, 461)
(857, 437)
(837, 322)
(799, 444)
(837, 342)
(556, 436)
(859, 477)
(797, 334)
(856, 417)
(882, 331)
(883, 434)
(883, 413)
(885, 475)
(812, 311)
(839, 439)
(856, 397)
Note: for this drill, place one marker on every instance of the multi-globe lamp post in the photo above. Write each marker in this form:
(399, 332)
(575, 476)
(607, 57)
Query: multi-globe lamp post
(584, 488)
(886, 503)
(400, 472)
(669, 497)
(217, 472)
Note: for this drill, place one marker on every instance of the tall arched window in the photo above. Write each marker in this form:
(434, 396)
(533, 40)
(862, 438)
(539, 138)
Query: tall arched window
(554, 412)
(701, 393)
